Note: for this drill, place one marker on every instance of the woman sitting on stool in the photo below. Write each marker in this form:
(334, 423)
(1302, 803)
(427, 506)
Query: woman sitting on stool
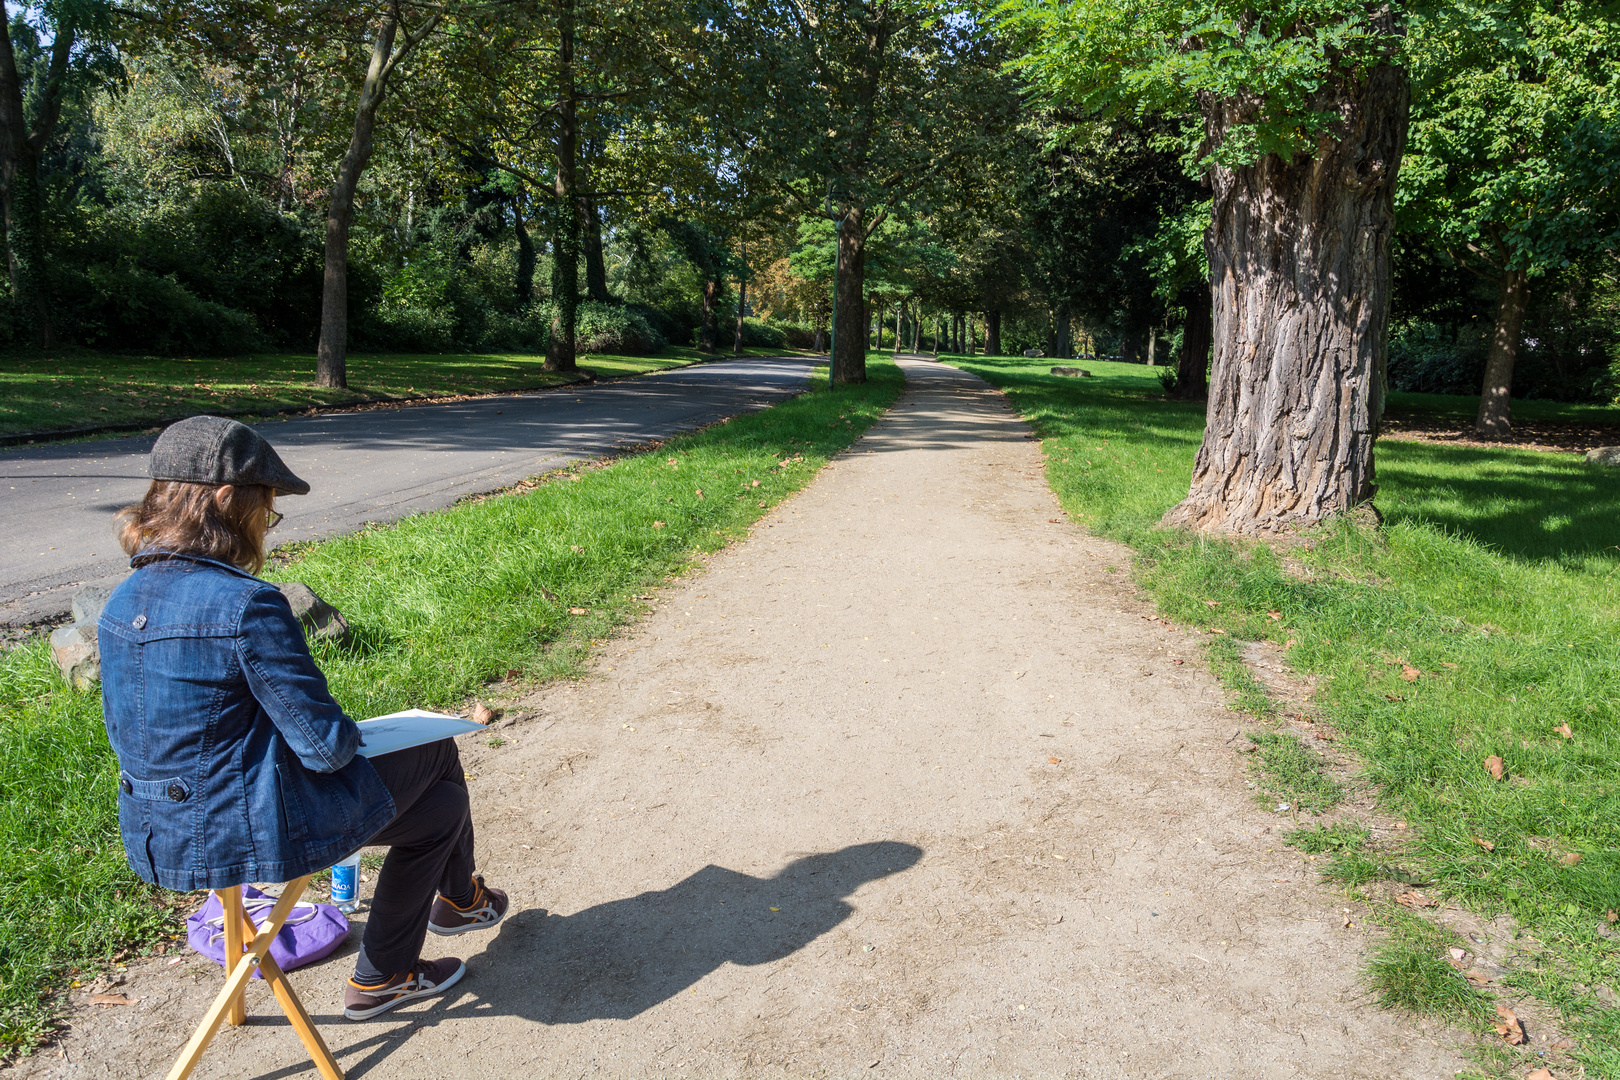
(235, 763)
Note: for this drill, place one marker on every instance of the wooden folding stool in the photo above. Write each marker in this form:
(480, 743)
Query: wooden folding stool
(229, 1003)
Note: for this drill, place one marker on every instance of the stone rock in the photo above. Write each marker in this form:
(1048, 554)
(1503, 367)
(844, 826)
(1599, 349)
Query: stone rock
(1072, 372)
(1604, 455)
(76, 654)
(1032, 354)
(89, 600)
(320, 619)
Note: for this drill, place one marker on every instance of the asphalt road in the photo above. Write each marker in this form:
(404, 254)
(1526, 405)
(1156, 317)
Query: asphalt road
(57, 503)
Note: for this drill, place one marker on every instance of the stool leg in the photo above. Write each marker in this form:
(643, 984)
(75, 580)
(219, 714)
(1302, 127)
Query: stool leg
(213, 1018)
(300, 1021)
(230, 901)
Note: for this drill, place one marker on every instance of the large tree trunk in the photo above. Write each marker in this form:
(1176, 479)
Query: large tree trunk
(22, 202)
(742, 309)
(1299, 258)
(1192, 365)
(331, 359)
(1512, 299)
(1065, 340)
(992, 333)
(899, 322)
(848, 363)
(595, 263)
(1153, 347)
(708, 333)
(560, 350)
(526, 259)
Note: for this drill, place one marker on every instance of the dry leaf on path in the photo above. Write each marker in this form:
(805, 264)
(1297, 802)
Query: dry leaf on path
(111, 999)
(1457, 954)
(1571, 859)
(1486, 844)
(579, 611)
(1540, 1074)
(483, 714)
(1414, 899)
(514, 673)
(1494, 764)
(1564, 730)
(1508, 1026)
(1053, 760)
(658, 524)
(1477, 977)
(1275, 614)
(1410, 673)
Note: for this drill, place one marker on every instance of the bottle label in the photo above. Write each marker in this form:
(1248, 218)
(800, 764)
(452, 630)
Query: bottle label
(345, 883)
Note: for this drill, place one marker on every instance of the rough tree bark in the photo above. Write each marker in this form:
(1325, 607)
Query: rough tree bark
(1299, 257)
(1512, 300)
(560, 350)
(526, 259)
(331, 367)
(1192, 363)
(1153, 347)
(848, 364)
(21, 200)
(992, 333)
(1065, 342)
(596, 286)
(742, 300)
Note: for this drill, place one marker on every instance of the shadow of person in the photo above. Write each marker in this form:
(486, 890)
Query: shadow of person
(619, 959)
(616, 960)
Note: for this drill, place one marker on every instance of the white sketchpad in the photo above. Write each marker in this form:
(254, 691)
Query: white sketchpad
(413, 727)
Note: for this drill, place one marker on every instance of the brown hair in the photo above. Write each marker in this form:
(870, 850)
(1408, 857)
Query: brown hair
(223, 522)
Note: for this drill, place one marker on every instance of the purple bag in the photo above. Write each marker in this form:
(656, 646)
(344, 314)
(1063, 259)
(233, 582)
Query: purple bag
(311, 932)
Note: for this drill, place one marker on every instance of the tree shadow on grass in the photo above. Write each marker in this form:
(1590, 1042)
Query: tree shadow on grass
(1527, 505)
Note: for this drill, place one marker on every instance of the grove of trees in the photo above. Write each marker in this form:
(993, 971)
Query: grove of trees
(1289, 208)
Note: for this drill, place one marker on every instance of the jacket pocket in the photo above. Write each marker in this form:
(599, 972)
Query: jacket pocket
(174, 789)
(292, 807)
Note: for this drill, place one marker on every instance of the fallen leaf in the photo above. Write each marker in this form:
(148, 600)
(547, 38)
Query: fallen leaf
(1564, 730)
(1477, 977)
(1613, 916)
(658, 524)
(579, 611)
(1486, 844)
(1457, 954)
(513, 673)
(1571, 859)
(576, 549)
(1414, 899)
(548, 594)
(756, 483)
(1393, 697)
(1539, 1074)
(1053, 760)
(1494, 764)
(1055, 521)
(1410, 673)
(1213, 603)
(483, 714)
(1448, 664)
(1275, 614)
(1508, 1026)
(700, 493)
(1178, 663)
(110, 999)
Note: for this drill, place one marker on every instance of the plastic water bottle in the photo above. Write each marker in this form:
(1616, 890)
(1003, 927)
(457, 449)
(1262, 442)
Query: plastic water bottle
(346, 884)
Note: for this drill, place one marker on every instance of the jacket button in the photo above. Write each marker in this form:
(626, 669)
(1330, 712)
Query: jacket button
(129, 788)
(177, 793)
(139, 621)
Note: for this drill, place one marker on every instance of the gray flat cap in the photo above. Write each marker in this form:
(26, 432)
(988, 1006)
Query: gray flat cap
(214, 450)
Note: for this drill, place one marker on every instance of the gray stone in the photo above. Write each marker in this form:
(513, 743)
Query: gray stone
(1032, 354)
(88, 600)
(320, 619)
(1604, 455)
(76, 654)
(1072, 372)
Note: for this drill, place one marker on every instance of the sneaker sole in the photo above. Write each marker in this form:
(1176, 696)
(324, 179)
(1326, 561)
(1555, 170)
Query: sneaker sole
(451, 931)
(378, 1010)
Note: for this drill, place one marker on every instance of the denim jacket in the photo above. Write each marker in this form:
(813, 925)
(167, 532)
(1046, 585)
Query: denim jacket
(235, 763)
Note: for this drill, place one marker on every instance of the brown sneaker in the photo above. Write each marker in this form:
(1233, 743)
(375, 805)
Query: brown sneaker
(487, 908)
(426, 978)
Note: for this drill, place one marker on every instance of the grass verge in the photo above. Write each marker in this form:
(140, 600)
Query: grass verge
(46, 393)
(441, 604)
(1479, 622)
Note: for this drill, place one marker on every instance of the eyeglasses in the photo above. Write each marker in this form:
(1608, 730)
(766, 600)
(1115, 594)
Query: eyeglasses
(272, 519)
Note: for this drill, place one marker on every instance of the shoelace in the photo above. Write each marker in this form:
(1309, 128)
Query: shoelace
(257, 909)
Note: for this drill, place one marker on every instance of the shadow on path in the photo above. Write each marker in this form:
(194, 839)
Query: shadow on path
(616, 960)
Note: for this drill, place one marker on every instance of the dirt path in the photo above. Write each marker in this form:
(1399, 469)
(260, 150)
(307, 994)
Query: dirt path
(903, 785)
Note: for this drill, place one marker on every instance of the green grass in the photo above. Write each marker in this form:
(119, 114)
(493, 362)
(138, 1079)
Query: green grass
(1408, 970)
(1496, 577)
(45, 393)
(1291, 771)
(1466, 406)
(442, 605)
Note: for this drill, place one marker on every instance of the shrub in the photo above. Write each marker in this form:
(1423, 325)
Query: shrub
(797, 335)
(130, 308)
(760, 335)
(613, 328)
(396, 327)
